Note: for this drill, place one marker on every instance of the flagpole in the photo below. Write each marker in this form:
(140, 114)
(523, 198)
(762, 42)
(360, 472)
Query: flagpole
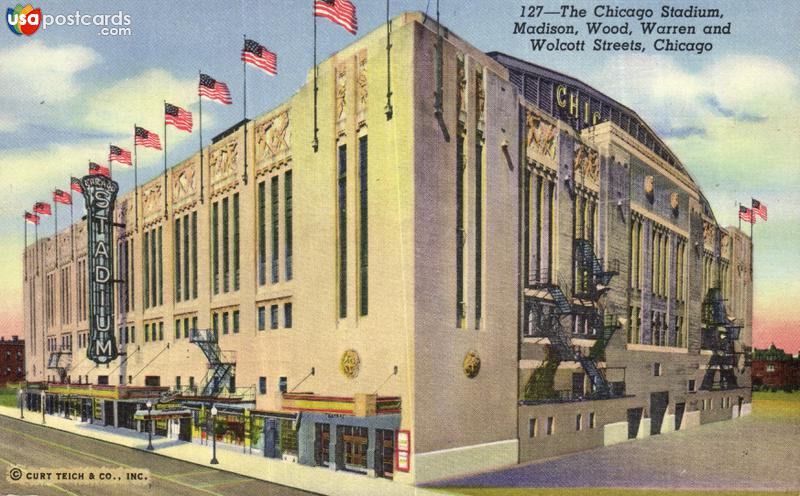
(389, 111)
(71, 227)
(315, 143)
(200, 132)
(135, 182)
(25, 250)
(739, 212)
(165, 159)
(55, 229)
(110, 163)
(244, 120)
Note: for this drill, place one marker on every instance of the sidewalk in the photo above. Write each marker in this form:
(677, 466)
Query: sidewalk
(314, 479)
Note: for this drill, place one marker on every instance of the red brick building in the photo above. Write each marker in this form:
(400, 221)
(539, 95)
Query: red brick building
(774, 368)
(12, 360)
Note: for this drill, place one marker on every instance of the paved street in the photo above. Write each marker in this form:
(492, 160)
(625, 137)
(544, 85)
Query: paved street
(32, 446)
(749, 453)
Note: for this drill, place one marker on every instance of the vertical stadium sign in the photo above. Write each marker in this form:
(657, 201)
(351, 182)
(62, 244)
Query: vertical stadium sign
(100, 192)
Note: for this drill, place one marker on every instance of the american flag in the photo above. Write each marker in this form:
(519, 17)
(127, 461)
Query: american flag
(61, 196)
(759, 209)
(42, 208)
(746, 214)
(214, 90)
(117, 154)
(75, 184)
(147, 139)
(98, 170)
(31, 218)
(178, 117)
(341, 12)
(257, 55)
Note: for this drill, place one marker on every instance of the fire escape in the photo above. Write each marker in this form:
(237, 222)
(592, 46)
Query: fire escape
(719, 336)
(221, 364)
(549, 319)
(60, 361)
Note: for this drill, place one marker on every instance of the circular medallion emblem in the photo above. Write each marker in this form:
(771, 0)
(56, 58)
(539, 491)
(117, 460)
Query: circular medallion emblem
(350, 363)
(472, 364)
(649, 185)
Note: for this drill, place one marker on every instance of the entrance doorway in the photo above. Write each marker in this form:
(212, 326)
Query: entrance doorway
(322, 444)
(185, 432)
(634, 419)
(658, 408)
(680, 408)
(384, 453)
(108, 412)
(356, 440)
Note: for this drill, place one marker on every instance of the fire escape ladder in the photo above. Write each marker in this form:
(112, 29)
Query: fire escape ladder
(221, 365)
(719, 336)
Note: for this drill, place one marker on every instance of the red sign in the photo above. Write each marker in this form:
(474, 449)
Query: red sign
(402, 451)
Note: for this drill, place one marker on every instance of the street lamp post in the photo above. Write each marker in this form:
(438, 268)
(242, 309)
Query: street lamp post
(214, 435)
(21, 404)
(150, 426)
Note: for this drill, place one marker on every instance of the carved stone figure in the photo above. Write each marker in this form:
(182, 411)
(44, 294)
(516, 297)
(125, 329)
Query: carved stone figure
(183, 184)
(461, 90)
(151, 199)
(350, 364)
(472, 364)
(362, 83)
(341, 92)
(224, 159)
(273, 136)
(586, 163)
(480, 93)
(541, 137)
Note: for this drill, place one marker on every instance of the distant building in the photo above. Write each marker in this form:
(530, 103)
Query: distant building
(774, 368)
(12, 360)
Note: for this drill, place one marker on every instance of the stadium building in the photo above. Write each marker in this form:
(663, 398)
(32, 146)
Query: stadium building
(484, 263)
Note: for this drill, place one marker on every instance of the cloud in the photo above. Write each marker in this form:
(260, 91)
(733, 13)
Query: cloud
(715, 104)
(683, 132)
(140, 100)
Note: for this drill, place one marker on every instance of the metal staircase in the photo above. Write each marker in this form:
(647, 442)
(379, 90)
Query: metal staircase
(550, 324)
(221, 365)
(719, 336)
(60, 361)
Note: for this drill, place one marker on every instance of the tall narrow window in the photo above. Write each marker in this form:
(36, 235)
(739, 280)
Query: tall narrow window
(146, 269)
(160, 254)
(215, 246)
(177, 254)
(236, 241)
(225, 247)
(262, 234)
(153, 274)
(274, 226)
(478, 231)
(460, 235)
(287, 207)
(342, 208)
(186, 256)
(194, 254)
(551, 213)
(363, 229)
(131, 283)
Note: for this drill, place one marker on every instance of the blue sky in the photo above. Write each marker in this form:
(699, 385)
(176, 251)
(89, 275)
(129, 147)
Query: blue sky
(729, 114)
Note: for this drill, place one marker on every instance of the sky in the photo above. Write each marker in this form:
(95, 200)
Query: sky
(730, 114)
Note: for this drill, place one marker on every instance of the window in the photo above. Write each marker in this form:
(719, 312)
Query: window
(578, 422)
(146, 269)
(215, 246)
(161, 331)
(262, 385)
(363, 228)
(273, 317)
(146, 333)
(283, 385)
(186, 253)
(101, 380)
(177, 328)
(262, 241)
(262, 318)
(177, 382)
(225, 248)
(194, 255)
(160, 255)
(191, 382)
(287, 211)
(287, 315)
(236, 321)
(592, 420)
(186, 326)
(194, 324)
(225, 323)
(460, 234)
(274, 226)
(342, 230)
(215, 321)
(691, 385)
(657, 369)
(478, 230)
(236, 241)
(551, 426)
(532, 427)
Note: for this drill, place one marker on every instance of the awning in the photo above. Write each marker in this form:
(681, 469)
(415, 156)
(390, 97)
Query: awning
(162, 414)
